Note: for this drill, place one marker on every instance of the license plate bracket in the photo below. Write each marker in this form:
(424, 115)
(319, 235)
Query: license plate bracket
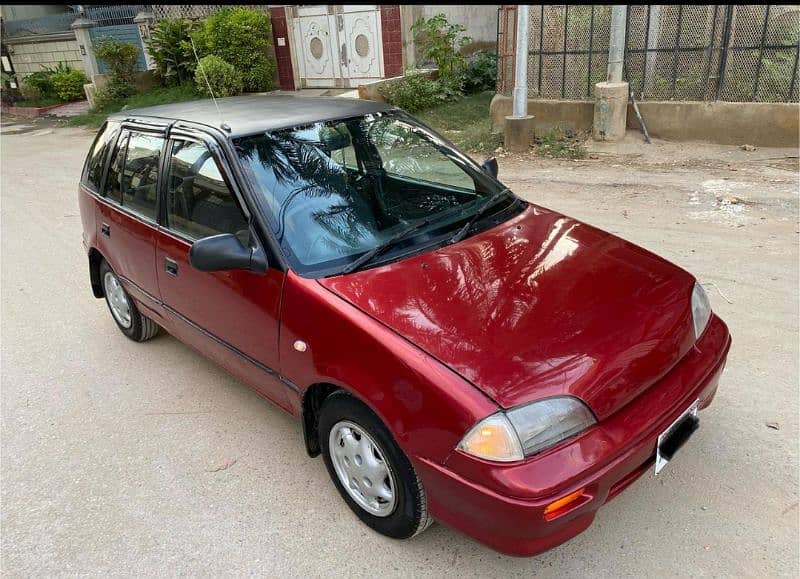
(674, 437)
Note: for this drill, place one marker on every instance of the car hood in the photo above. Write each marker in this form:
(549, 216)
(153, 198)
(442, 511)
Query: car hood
(537, 306)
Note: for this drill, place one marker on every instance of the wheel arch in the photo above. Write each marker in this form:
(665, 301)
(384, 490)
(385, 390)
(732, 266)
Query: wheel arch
(95, 259)
(313, 398)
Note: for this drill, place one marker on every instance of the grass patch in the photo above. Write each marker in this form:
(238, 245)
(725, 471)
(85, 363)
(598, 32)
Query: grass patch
(155, 96)
(466, 122)
(41, 102)
(560, 144)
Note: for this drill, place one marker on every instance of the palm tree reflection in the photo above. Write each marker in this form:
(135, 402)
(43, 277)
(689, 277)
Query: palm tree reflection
(299, 168)
(396, 174)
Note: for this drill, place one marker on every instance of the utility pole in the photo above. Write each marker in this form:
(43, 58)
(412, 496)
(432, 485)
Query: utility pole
(616, 43)
(520, 108)
(611, 97)
(519, 126)
(652, 42)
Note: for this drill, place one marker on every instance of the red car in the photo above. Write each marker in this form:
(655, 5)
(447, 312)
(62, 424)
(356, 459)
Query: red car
(453, 352)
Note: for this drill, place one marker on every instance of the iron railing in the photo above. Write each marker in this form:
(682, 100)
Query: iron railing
(101, 15)
(196, 11)
(672, 52)
(113, 15)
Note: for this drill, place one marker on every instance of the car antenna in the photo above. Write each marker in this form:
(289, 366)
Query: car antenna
(223, 124)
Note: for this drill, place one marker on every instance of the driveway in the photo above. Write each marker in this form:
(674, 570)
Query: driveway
(146, 459)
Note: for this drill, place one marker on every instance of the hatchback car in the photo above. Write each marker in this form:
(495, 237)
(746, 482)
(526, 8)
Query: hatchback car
(453, 352)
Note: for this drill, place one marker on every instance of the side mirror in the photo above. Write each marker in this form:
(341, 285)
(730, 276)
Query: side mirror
(225, 251)
(489, 167)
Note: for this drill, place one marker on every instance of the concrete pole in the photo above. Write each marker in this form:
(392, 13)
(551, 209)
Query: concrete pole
(519, 126)
(616, 43)
(521, 70)
(611, 98)
(652, 42)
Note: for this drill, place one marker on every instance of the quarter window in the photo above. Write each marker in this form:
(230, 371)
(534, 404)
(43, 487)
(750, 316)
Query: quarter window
(199, 202)
(140, 176)
(112, 189)
(96, 160)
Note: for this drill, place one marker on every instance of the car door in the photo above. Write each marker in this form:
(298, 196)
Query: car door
(231, 316)
(127, 214)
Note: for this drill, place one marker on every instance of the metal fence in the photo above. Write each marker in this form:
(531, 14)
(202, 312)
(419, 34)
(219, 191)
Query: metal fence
(113, 15)
(672, 52)
(102, 15)
(195, 11)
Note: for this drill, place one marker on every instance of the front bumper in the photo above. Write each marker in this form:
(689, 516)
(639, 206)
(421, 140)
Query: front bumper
(503, 505)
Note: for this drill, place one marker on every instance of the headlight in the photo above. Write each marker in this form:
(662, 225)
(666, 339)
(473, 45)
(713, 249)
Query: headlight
(527, 430)
(701, 309)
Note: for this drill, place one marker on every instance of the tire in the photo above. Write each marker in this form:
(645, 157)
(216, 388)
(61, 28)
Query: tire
(408, 516)
(134, 326)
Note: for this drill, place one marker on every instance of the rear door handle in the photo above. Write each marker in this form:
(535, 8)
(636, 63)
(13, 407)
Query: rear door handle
(171, 266)
(105, 229)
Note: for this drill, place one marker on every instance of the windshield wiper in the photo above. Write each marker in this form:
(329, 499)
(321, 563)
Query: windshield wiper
(461, 233)
(378, 249)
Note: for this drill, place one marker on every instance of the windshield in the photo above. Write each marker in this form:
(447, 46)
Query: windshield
(336, 190)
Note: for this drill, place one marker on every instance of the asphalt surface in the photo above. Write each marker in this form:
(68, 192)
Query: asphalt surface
(119, 458)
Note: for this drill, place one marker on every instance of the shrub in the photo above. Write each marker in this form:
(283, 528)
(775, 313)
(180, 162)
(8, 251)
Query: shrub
(121, 58)
(224, 79)
(60, 67)
(68, 86)
(37, 86)
(440, 42)
(415, 92)
(481, 72)
(171, 49)
(104, 100)
(241, 37)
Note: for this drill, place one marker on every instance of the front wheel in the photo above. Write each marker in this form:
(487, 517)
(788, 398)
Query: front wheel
(372, 474)
(129, 320)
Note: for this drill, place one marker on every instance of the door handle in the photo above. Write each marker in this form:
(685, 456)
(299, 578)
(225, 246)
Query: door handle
(105, 229)
(171, 266)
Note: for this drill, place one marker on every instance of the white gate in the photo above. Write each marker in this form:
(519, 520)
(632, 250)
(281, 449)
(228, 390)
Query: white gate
(337, 46)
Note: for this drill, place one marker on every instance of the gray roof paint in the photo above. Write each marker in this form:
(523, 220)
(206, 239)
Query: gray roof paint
(255, 113)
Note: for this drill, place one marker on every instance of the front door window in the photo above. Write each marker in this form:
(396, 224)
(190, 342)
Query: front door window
(199, 201)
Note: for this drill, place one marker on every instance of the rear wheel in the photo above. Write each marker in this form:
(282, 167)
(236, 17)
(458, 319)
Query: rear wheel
(129, 320)
(372, 474)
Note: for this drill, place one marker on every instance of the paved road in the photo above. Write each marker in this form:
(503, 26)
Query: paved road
(129, 459)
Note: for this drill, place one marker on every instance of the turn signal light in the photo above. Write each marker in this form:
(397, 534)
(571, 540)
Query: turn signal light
(558, 507)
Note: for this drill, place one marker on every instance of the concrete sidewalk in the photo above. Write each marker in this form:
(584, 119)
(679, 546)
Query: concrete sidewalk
(70, 109)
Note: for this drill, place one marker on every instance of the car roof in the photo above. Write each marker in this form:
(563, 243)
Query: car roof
(255, 113)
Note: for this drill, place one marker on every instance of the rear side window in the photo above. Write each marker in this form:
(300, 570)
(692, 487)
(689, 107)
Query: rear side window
(199, 202)
(140, 174)
(93, 171)
(112, 189)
